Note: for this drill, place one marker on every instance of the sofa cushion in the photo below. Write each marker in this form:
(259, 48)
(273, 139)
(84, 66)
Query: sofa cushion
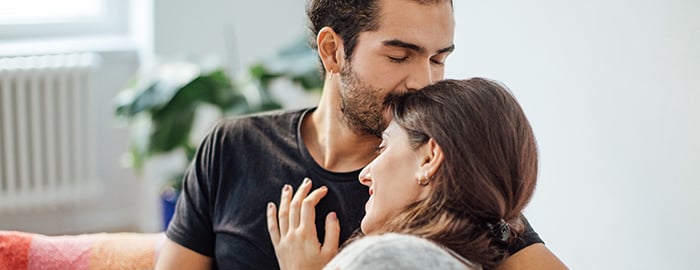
(21, 250)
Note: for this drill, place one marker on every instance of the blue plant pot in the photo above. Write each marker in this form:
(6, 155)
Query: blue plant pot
(168, 199)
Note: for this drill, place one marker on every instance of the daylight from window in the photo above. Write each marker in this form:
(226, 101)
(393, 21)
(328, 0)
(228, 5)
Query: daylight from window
(49, 11)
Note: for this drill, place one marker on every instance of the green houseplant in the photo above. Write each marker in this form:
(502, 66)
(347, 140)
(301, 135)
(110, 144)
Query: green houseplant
(163, 104)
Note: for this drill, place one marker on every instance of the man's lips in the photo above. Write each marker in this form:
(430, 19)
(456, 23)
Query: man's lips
(371, 192)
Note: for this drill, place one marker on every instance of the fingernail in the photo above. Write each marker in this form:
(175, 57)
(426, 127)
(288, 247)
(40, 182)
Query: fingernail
(307, 180)
(286, 187)
(270, 205)
(332, 216)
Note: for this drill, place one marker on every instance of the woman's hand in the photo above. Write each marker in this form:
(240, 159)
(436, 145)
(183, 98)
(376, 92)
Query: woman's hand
(294, 234)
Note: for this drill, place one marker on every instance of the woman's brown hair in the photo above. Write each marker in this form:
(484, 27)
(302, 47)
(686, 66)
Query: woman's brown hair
(489, 170)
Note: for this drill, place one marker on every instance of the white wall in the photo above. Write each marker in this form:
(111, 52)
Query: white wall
(612, 89)
(237, 32)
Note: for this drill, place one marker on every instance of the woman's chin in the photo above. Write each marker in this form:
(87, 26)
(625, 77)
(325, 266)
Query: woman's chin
(365, 228)
(370, 227)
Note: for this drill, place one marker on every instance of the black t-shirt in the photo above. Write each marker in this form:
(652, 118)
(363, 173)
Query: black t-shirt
(242, 165)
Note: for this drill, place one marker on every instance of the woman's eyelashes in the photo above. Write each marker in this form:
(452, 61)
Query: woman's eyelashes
(381, 147)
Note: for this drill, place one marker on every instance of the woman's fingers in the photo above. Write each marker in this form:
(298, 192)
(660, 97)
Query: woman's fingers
(292, 229)
(295, 210)
(283, 212)
(272, 226)
(308, 211)
(332, 238)
(295, 205)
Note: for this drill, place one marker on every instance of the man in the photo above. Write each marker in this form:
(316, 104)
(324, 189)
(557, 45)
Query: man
(368, 49)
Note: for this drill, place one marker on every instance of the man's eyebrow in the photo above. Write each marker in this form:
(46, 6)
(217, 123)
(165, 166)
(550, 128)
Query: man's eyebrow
(414, 47)
(403, 44)
(446, 50)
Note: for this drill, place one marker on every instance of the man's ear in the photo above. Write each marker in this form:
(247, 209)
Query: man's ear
(330, 49)
(431, 158)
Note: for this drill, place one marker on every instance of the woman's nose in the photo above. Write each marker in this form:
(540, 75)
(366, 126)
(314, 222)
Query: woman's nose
(365, 178)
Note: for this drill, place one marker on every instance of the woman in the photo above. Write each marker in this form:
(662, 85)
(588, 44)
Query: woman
(457, 165)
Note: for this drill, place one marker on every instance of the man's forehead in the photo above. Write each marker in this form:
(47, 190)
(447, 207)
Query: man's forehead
(392, 10)
(433, 44)
(411, 22)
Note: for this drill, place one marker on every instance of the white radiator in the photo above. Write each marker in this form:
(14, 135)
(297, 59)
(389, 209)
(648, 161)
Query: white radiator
(46, 152)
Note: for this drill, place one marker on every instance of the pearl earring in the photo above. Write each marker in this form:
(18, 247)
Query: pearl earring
(423, 181)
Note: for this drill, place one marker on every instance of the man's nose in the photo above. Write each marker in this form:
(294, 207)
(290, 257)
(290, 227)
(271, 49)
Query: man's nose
(421, 76)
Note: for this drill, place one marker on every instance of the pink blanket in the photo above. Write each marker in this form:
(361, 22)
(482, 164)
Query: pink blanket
(27, 251)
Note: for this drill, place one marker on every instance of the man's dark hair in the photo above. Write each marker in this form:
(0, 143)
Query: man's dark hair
(348, 18)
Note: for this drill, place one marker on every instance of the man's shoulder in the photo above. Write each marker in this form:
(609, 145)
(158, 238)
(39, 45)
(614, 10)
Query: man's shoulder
(278, 121)
(264, 120)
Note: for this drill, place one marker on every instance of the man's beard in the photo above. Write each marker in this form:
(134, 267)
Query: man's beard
(362, 106)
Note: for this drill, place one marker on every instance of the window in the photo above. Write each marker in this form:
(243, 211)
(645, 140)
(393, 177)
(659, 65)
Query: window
(50, 18)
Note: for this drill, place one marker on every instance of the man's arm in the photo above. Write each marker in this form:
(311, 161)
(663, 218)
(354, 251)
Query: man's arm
(174, 256)
(535, 256)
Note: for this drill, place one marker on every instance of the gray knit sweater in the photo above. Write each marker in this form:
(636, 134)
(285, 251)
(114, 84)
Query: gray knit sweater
(397, 251)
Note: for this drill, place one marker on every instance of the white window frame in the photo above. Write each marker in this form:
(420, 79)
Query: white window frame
(113, 21)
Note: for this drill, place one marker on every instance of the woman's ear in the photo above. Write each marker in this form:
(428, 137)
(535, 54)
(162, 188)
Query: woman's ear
(431, 159)
(330, 49)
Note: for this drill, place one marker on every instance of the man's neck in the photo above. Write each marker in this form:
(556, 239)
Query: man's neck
(332, 144)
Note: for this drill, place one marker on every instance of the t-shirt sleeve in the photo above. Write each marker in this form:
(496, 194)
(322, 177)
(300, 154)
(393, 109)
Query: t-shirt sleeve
(191, 225)
(528, 237)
